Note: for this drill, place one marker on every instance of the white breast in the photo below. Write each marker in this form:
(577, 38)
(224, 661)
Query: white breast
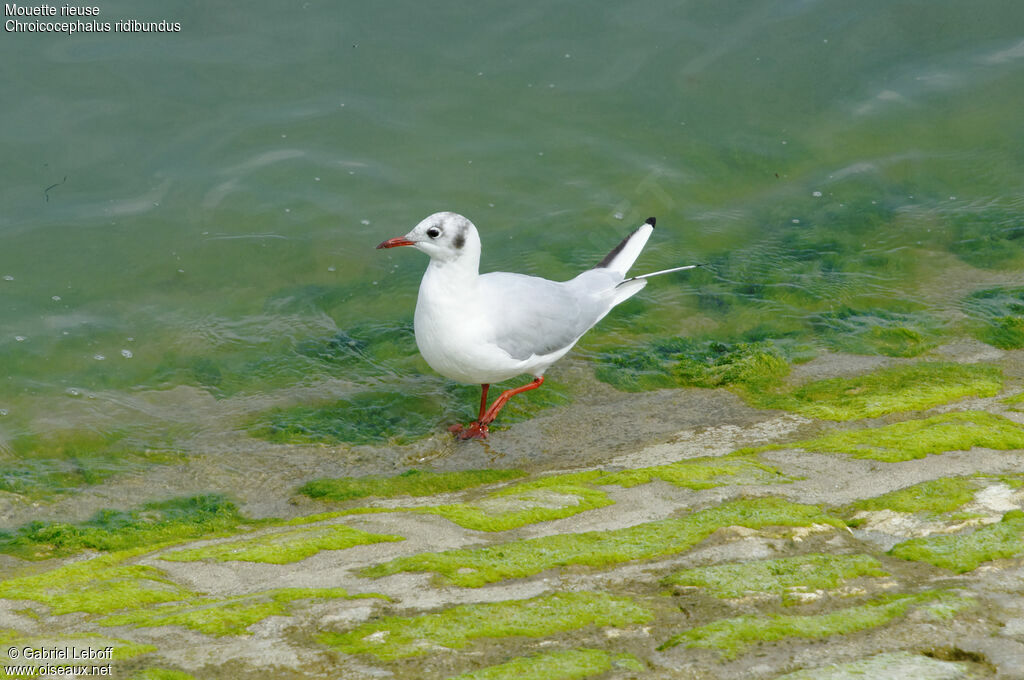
(449, 332)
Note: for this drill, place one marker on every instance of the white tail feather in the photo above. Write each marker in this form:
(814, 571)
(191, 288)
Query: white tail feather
(623, 257)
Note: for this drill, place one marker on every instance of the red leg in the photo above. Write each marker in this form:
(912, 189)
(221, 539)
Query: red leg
(483, 400)
(500, 402)
(474, 429)
(479, 428)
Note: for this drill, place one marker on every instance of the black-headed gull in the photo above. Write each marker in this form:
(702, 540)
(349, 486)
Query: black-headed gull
(485, 328)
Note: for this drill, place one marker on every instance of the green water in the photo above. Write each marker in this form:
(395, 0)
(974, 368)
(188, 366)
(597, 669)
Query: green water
(189, 218)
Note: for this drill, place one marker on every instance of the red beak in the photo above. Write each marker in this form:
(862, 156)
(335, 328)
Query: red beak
(395, 242)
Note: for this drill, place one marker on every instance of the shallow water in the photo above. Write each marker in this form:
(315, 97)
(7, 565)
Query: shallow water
(200, 208)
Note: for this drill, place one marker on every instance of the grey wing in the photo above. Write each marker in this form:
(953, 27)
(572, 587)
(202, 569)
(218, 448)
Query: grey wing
(534, 316)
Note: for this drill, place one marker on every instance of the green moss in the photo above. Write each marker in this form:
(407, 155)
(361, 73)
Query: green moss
(572, 664)
(779, 576)
(699, 473)
(282, 547)
(225, 616)
(99, 585)
(396, 637)
(958, 431)
(876, 331)
(681, 362)
(909, 387)
(59, 461)
(733, 636)
(409, 483)
(998, 314)
(936, 496)
(965, 552)
(171, 520)
(478, 566)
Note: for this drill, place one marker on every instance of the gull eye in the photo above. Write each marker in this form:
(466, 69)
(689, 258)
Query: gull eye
(433, 232)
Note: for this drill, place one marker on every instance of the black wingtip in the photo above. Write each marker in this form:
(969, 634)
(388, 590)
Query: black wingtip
(651, 221)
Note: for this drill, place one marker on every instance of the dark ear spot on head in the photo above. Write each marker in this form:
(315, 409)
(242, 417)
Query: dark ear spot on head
(460, 239)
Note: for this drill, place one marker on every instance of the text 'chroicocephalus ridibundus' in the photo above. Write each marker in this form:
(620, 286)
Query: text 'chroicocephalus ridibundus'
(484, 328)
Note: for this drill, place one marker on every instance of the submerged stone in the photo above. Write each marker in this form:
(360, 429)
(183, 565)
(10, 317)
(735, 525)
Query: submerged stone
(999, 316)
(400, 416)
(877, 331)
(60, 461)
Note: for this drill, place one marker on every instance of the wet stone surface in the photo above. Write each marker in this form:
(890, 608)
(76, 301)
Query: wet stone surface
(681, 533)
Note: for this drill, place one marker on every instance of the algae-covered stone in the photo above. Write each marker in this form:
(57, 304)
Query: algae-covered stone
(935, 496)
(282, 547)
(396, 637)
(364, 418)
(478, 566)
(988, 238)
(540, 500)
(572, 664)
(700, 473)
(890, 666)
(154, 523)
(559, 496)
(783, 576)
(732, 637)
(957, 431)
(409, 483)
(99, 585)
(226, 616)
(681, 362)
(998, 315)
(877, 331)
(1015, 400)
(907, 387)
(966, 552)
